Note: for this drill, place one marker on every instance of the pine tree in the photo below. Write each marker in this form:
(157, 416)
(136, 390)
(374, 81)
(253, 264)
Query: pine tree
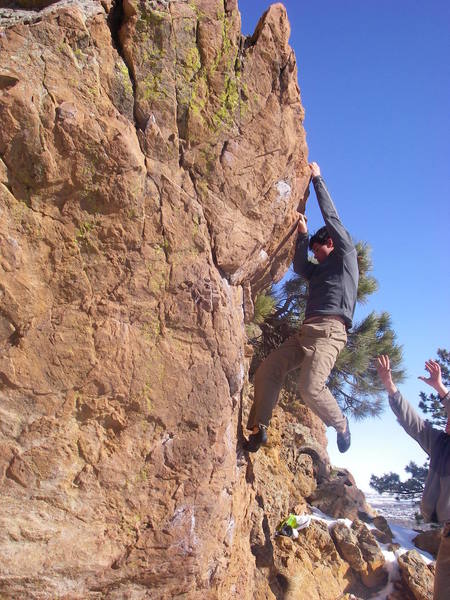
(430, 404)
(412, 488)
(353, 381)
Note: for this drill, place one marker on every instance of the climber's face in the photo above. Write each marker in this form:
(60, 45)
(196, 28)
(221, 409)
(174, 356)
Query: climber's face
(322, 251)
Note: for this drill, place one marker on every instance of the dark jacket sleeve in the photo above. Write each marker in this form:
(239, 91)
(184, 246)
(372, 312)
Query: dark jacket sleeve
(341, 238)
(414, 425)
(302, 266)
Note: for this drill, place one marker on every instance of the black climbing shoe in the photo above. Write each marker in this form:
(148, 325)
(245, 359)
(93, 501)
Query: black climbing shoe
(256, 440)
(344, 438)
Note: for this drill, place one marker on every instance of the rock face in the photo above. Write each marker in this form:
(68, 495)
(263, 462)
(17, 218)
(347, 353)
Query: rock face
(359, 548)
(429, 541)
(152, 160)
(340, 497)
(383, 532)
(416, 577)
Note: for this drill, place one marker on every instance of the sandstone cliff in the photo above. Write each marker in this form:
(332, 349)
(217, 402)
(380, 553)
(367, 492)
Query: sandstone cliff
(152, 161)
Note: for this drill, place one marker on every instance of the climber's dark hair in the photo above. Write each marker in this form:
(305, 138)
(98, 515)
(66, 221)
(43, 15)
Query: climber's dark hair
(320, 237)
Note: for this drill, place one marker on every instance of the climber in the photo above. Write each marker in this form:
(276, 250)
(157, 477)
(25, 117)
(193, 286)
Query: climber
(333, 282)
(435, 503)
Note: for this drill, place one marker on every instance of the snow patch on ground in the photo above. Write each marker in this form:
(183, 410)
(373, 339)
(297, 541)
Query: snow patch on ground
(402, 536)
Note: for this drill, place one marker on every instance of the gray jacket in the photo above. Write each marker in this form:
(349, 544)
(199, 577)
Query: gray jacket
(333, 283)
(435, 504)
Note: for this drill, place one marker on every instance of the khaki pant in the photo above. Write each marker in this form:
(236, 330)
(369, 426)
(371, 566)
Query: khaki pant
(314, 349)
(442, 573)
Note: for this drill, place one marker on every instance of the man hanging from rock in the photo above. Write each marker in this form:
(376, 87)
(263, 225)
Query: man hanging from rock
(435, 504)
(333, 283)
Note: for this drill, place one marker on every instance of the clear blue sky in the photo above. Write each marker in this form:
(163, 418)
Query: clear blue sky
(374, 80)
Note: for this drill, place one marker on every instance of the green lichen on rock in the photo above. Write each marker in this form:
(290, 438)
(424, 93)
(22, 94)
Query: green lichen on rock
(153, 56)
(125, 78)
(151, 88)
(154, 59)
(149, 19)
(186, 69)
(200, 14)
(228, 104)
(199, 97)
(192, 61)
(226, 44)
(83, 231)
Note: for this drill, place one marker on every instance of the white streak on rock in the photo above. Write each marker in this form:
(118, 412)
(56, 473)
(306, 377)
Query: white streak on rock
(283, 189)
(263, 256)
